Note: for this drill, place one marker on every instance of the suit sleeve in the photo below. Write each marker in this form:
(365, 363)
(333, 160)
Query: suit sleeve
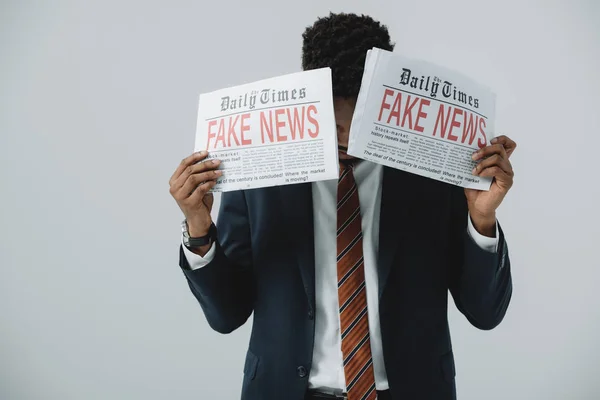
(480, 281)
(225, 286)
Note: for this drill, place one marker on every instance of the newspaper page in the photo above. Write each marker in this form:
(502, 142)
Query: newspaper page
(421, 118)
(276, 131)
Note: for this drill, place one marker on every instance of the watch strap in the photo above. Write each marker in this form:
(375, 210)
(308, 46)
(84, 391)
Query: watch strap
(206, 239)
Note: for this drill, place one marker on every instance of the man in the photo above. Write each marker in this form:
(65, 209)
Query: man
(348, 280)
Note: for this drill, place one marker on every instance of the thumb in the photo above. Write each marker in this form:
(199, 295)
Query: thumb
(471, 194)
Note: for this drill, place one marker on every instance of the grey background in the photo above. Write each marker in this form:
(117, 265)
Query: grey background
(98, 105)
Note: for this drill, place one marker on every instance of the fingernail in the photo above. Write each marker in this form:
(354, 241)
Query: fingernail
(216, 162)
(494, 140)
(474, 172)
(474, 156)
(218, 172)
(202, 152)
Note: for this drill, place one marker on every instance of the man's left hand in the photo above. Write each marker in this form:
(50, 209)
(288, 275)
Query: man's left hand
(494, 164)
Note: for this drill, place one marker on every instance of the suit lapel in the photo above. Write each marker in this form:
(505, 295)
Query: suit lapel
(298, 206)
(394, 209)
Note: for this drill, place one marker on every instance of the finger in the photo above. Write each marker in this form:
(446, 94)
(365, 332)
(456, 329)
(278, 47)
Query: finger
(502, 178)
(196, 180)
(509, 144)
(186, 162)
(488, 151)
(495, 160)
(200, 192)
(206, 165)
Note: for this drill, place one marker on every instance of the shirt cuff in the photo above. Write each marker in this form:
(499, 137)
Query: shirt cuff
(196, 261)
(484, 242)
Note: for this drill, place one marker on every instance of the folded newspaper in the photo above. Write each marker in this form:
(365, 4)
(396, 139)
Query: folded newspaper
(276, 131)
(421, 118)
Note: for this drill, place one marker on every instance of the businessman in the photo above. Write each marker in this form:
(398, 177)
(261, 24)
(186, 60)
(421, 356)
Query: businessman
(347, 279)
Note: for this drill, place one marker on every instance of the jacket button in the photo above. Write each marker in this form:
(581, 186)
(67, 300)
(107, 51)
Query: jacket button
(311, 315)
(301, 371)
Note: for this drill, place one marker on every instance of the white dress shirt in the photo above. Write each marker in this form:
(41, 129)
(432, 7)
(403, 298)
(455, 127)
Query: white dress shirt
(327, 371)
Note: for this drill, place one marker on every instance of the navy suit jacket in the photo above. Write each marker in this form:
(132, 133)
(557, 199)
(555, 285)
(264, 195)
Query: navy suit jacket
(264, 265)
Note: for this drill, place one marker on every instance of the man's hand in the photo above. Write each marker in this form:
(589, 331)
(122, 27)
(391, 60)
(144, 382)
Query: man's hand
(190, 185)
(494, 163)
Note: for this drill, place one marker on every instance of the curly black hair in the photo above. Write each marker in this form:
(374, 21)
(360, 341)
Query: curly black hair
(340, 41)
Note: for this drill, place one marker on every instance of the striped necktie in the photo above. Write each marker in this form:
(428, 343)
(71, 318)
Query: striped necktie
(352, 292)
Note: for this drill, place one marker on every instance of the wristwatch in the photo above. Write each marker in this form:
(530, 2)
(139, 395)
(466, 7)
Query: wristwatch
(198, 241)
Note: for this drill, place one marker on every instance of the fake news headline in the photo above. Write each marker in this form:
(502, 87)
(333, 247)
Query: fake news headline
(398, 109)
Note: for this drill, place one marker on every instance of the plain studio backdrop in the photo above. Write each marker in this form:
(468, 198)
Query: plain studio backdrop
(98, 103)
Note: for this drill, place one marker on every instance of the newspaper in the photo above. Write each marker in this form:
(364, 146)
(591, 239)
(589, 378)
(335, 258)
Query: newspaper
(272, 132)
(421, 118)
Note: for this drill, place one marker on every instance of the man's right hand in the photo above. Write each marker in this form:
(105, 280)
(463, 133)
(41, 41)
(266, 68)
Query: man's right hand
(190, 185)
